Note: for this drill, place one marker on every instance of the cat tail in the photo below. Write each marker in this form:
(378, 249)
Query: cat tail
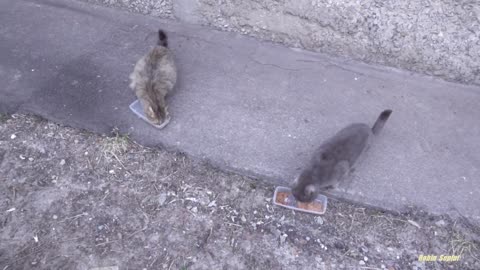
(382, 119)
(162, 38)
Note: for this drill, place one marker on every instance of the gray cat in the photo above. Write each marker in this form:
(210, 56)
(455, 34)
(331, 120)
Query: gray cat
(332, 161)
(153, 77)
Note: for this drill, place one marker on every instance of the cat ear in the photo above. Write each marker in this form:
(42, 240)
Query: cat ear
(310, 190)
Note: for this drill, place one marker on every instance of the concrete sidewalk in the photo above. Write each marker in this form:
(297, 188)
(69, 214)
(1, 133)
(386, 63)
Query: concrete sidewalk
(244, 105)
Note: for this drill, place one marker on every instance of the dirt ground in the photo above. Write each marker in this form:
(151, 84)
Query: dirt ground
(70, 199)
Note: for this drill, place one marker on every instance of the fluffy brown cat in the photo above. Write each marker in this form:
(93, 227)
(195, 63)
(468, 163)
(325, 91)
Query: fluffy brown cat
(153, 77)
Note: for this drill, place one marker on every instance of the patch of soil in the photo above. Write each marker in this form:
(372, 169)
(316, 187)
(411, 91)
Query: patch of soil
(70, 199)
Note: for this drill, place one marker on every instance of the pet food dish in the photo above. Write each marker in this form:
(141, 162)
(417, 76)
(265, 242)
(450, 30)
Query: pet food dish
(136, 108)
(283, 197)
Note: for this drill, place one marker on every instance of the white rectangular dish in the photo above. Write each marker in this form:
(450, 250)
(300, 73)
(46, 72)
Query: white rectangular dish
(136, 107)
(283, 197)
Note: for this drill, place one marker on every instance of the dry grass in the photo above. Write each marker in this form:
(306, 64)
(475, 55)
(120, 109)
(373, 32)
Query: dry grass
(116, 145)
(460, 246)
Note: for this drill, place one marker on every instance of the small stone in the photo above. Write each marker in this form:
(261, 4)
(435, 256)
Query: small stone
(62, 162)
(212, 204)
(30, 159)
(243, 219)
(75, 141)
(86, 153)
(440, 223)
(382, 266)
(365, 258)
(55, 217)
(111, 172)
(319, 220)
(307, 238)
(13, 136)
(22, 157)
(361, 262)
(194, 209)
(162, 198)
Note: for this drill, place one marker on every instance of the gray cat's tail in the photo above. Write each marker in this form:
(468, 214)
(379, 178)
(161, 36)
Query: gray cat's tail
(381, 121)
(162, 38)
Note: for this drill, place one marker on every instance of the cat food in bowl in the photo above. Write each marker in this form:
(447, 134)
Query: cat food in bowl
(136, 107)
(283, 197)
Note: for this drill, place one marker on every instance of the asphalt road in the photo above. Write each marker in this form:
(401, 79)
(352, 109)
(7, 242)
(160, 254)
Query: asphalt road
(244, 105)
